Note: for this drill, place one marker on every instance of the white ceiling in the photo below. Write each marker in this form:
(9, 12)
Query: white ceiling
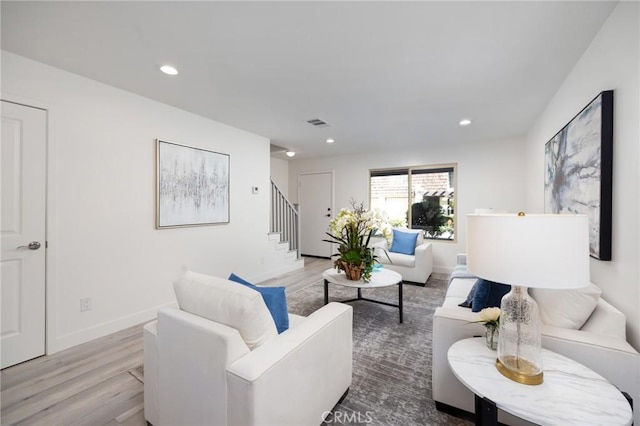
(382, 74)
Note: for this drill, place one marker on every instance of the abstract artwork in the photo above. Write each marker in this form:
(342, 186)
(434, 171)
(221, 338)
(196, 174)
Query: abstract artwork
(192, 186)
(579, 170)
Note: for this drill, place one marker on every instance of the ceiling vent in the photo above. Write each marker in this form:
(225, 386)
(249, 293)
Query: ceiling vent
(318, 123)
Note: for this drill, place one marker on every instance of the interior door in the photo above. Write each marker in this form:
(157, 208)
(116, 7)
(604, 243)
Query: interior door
(22, 265)
(315, 199)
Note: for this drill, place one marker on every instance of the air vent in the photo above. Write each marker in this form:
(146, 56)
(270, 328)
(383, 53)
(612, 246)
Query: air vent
(318, 123)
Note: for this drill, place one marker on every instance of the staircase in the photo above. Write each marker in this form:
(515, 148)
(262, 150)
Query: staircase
(284, 234)
(284, 220)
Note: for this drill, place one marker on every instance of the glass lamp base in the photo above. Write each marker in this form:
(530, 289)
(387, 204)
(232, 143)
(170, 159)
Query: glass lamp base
(520, 370)
(520, 342)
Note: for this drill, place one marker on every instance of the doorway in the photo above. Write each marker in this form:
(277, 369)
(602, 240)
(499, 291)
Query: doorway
(23, 259)
(315, 199)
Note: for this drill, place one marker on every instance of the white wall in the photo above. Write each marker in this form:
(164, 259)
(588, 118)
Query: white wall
(489, 176)
(101, 202)
(610, 62)
(280, 174)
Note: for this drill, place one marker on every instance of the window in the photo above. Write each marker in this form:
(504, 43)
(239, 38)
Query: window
(422, 197)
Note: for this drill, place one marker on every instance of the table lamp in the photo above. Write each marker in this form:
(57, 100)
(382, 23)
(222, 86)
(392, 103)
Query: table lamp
(541, 251)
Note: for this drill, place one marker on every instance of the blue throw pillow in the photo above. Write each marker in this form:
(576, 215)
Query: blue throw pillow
(468, 302)
(404, 242)
(488, 294)
(274, 298)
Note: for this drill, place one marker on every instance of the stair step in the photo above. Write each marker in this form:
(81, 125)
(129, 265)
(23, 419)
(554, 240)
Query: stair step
(291, 254)
(274, 236)
(290, 257)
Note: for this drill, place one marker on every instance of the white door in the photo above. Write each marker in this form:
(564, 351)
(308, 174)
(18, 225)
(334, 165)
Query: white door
(315, 201)
(22, 264)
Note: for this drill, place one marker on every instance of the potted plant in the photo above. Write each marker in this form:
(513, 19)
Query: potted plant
(352, 230)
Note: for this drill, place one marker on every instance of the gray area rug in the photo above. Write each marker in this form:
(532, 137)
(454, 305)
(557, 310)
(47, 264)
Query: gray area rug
(391, 361)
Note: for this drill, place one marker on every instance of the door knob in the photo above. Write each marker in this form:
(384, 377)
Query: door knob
(33, 245)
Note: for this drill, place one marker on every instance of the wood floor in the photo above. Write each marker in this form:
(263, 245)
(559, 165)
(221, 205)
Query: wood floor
(90, 384)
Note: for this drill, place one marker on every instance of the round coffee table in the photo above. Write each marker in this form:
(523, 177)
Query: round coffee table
(379, 278)
(571, 393)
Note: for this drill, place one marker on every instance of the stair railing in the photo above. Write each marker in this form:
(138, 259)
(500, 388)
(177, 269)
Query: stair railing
(284, 219)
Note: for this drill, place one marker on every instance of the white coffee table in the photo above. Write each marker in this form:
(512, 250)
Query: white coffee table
(571, 393)
(379, 278)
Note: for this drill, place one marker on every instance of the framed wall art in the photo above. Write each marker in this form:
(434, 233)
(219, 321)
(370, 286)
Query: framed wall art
(579, 170)
(192, 186)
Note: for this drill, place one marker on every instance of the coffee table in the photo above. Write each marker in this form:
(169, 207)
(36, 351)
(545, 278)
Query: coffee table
(379, 278)
(571, 393)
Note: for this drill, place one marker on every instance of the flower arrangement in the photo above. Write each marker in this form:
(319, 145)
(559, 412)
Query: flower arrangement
(490, 317)
(352, 230)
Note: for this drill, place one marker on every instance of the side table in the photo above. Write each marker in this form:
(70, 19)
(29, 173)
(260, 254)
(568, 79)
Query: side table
(571, 393)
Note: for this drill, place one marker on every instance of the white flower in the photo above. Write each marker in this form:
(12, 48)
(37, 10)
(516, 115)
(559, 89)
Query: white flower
(359, 221)
(386, 232)
(489, 314)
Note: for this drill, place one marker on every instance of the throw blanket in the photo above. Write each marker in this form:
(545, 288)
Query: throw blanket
(460, 271)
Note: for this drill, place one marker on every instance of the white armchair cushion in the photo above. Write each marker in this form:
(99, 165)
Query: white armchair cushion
(228, 303)
(416, 268)
(400, 259)
(566, 308)
(296, 378)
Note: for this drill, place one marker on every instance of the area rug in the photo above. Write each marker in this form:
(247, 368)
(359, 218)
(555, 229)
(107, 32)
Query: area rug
(391, 361)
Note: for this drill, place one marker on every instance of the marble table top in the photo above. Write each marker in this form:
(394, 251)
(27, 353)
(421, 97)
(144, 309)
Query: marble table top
(379, 278)
(571, 393)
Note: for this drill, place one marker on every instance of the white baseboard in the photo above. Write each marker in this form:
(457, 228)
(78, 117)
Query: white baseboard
(73, 339)
(67, 341)
(442, 270)
(279, 270)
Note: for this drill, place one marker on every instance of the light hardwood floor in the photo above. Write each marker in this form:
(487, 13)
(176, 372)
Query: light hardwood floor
(90, 384)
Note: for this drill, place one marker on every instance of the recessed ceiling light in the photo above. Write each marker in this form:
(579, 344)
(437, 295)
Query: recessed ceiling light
(330, 140)
(465, 122)
(290, 153)
(168, 69)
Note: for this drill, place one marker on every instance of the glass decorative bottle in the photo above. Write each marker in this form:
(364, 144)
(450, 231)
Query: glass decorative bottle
(520, 343)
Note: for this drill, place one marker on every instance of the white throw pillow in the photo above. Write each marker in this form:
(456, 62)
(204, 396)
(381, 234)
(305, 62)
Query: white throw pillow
(566, 308)
(228, 303)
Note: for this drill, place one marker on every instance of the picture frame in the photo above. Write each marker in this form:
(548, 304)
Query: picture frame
(192, 186)
(579, 171)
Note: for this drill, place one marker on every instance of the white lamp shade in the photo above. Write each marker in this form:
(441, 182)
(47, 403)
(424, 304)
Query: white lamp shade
(541, 251)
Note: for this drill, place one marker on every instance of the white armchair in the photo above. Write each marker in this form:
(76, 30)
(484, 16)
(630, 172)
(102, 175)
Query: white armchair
(414, 268)
(201, 372)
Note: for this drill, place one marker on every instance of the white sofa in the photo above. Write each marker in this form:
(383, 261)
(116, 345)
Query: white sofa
(413, 268)
(202, 372)
(600, 345)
